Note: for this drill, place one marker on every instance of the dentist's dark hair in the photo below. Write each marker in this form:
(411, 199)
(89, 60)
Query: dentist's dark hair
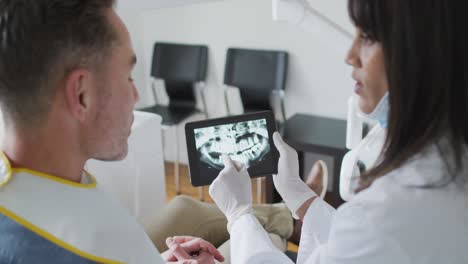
(425, 46)
(40, 42)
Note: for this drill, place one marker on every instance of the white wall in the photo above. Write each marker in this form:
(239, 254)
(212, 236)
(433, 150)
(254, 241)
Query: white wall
(130, 11)
(318, 83)
(318, 80)
(130, 16)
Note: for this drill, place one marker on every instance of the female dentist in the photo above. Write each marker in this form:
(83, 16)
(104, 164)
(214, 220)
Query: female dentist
(412, 207)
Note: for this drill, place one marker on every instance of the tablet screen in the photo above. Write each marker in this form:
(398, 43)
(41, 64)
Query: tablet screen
(246, 142)
(246, 138)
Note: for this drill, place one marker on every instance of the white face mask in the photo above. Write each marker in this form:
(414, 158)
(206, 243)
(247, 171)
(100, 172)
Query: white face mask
(380, 112)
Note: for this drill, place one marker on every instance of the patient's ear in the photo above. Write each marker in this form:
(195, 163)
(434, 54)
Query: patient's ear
(78, 87)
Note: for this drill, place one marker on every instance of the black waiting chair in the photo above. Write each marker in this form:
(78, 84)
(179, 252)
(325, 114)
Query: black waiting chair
(260, 77)
(182, 67)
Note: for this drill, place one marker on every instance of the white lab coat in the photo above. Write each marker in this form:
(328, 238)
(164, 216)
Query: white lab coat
(393, 221)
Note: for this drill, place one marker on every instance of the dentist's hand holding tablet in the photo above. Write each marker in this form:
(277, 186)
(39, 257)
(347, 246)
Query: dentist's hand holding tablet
(232, 189)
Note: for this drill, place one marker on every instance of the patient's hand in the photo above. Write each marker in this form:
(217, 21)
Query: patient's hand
(203, 258)
(186, 249)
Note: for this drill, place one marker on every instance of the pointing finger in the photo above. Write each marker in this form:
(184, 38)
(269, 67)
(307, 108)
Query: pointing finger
(227, 161)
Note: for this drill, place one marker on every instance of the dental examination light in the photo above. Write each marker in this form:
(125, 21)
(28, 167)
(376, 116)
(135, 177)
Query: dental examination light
(364, 151)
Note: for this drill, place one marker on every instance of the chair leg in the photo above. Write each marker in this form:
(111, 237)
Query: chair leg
(201, 194)
(259, 190)
(176, 163)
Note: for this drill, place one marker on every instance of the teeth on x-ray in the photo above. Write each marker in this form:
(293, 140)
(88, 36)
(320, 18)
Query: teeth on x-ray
(246, 142)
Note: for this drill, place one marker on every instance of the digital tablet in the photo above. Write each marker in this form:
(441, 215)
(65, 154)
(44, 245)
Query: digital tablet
(245, 138)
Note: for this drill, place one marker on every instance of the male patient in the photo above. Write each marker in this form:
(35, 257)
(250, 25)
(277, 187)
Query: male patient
(67, 96)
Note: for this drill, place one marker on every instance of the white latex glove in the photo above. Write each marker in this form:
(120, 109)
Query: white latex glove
(232, 190)
(287, 182)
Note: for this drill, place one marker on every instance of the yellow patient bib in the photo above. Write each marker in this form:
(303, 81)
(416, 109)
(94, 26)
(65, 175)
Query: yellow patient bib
(46, 219)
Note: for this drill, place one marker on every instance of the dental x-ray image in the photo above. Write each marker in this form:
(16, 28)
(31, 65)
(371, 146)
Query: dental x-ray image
(246, 142)
(245, 138)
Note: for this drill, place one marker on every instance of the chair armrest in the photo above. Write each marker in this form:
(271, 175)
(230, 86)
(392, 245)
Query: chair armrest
(277, 104)
(233, 100)
(200, 89)
(159, 92)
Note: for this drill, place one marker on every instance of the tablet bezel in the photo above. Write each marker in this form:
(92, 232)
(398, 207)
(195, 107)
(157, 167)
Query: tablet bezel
(194, 171)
